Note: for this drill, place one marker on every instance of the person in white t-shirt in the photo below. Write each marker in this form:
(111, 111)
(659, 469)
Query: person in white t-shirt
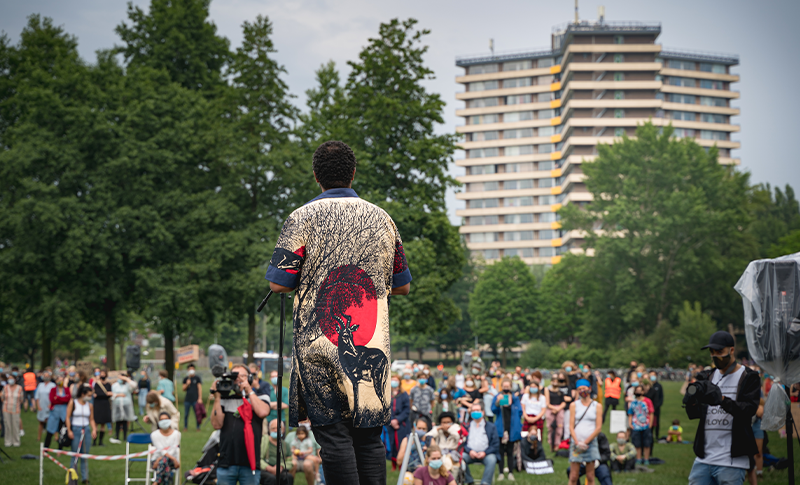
(724, 442)
(534, 406)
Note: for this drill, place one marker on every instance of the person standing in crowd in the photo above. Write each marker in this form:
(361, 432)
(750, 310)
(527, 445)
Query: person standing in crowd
(13, 396)
(165, 386)
(143, 387)
(434, 473)
(72, 375)
(631, 372)
(633, 384)
(29, 384)
(400, 420)
(60, 397)
(534, 406)
(102, 404)
(655, 392)
(571, 370)
(43, 400)
(506, 406)
(724, 448)
(459, 376)
(81, 426)
(422, 399)
(623, 454)
(157, 404)
(193, 386)
(408, 383)
(483, 445)
(557, 402)
(640, 420)
(445, 399)
(612, 391)
(234, 462)
(260, 386)
(122, 406)
(80, 380)
(488, 392)
(431, 380)
(167, 442)
(585, 422)
(273, 399)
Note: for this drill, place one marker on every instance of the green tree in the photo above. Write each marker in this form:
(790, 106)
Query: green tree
(692, 333)
(667, 223)
(503, 305)
(775, 214)
(562, 306)
(788, 244)
(385, 113)
(176, 36)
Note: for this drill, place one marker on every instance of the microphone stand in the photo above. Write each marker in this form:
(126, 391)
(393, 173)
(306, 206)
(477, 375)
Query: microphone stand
(279, 390)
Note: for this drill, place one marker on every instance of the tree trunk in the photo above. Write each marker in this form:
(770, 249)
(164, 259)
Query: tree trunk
(122, 363)
(251, 334)
(111, 340)
(421, 351)
(505, 357)
(169, 351)
(47, 348)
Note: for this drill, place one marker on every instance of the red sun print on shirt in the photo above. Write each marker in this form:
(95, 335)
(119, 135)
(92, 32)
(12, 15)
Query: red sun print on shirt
(348, 293)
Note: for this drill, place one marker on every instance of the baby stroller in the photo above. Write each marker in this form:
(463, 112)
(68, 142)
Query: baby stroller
(205, 472)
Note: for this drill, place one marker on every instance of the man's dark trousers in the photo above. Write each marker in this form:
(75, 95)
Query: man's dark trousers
(268, 478)
(351, 455)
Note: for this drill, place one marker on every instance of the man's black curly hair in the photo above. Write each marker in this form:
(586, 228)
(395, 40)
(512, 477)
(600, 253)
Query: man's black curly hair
(334, 164)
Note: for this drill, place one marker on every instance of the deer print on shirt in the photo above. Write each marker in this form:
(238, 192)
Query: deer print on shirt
(360, 363)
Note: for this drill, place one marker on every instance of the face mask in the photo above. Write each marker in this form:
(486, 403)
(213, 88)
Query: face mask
(475, 372)
(152, 405)
(469, 383)
(638, 395)
(634, 384)
(407, 376)
(191, 372)
(723, 361)
(72, 374)
(621, 442)
(653, 378)
(416, 368)
(506, 391)
(120, 381)
(97, 374)
(46, 378)
(458, 372)
(639, 375)
(164, 423)
(476, 415)
(435, 464)
(422, 382)
(11, 382)
(274, 381)
(583, 393)
(395, 384)
(421, 433)
(15, 373)
(568, 368)
(426, 372)
(534, 390)
(273, 435)
(103, 377)
(444, 395)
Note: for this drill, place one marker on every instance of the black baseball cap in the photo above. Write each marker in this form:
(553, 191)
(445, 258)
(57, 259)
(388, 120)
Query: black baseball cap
(720, 340)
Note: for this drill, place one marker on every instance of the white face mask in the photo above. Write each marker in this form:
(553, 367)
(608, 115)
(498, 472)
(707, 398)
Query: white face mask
(164, 424)
(191, 372)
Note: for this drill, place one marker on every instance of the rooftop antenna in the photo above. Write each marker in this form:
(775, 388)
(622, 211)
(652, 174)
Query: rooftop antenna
(491, 46)
(601, 13)
(576, 12)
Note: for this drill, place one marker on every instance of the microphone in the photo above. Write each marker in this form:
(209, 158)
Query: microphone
(264, 302)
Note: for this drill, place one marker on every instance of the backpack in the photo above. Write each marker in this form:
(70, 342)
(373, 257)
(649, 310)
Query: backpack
(63, 436)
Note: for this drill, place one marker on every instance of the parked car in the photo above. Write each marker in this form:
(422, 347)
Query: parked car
(400, 365)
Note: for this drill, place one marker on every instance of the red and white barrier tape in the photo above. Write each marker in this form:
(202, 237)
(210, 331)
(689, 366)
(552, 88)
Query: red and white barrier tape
(101, 457)
(56, 462)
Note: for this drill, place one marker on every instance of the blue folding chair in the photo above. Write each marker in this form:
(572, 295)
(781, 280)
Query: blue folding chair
(137, 439)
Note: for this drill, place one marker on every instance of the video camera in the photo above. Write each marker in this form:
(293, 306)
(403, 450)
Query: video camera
(226, 384)
(702, 392)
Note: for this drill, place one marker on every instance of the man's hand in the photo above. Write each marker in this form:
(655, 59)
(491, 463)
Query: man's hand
(402, 290)
(621, 458)
(395, 424)
(473, 454)
(481, 455)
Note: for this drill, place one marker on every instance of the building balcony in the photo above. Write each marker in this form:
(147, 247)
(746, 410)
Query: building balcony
(715, 93)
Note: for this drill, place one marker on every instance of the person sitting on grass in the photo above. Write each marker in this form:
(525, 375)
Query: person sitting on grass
(434, 473)
(675, 432)
(623, 454)
(167, 442)
(306, 451)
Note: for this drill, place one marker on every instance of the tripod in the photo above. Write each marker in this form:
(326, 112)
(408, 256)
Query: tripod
(279, 390)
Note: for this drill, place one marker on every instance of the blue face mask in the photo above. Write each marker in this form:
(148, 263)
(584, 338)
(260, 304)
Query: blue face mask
(274, 381)
(435, 464)
(568, 368)
(422, 382)
(634, 384)
(476, 415)
(97, 374)
(273, 435)
(395, 384)
(639, 375)
(15, 373)
(444, 395)
(653, 378)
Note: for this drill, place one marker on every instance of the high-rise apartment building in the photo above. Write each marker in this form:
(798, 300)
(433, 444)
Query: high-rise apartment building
(532, 118)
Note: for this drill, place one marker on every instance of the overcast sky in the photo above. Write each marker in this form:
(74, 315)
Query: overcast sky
(308, 33)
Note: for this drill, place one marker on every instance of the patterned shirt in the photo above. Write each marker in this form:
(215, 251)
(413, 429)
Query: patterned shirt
(422, 397)
(343, 256)
(12, 398)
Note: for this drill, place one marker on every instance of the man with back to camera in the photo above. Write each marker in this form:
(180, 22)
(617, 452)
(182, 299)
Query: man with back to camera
(724, 442)
(344, 257)
(233, 461)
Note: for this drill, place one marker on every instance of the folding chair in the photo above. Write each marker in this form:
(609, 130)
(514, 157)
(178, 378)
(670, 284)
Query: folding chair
(137, 439)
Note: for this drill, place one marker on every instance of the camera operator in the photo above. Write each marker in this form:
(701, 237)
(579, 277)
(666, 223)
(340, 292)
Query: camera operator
(234, 464)
(725, 400)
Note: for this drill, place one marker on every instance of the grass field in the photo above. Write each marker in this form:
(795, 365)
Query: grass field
(679, 458)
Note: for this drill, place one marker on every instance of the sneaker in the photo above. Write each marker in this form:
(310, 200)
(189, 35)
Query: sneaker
(114, 441)
(639, 462)
(511, 477)
(22, 432)
(505, 470)
(646, 463)
(500, 477)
